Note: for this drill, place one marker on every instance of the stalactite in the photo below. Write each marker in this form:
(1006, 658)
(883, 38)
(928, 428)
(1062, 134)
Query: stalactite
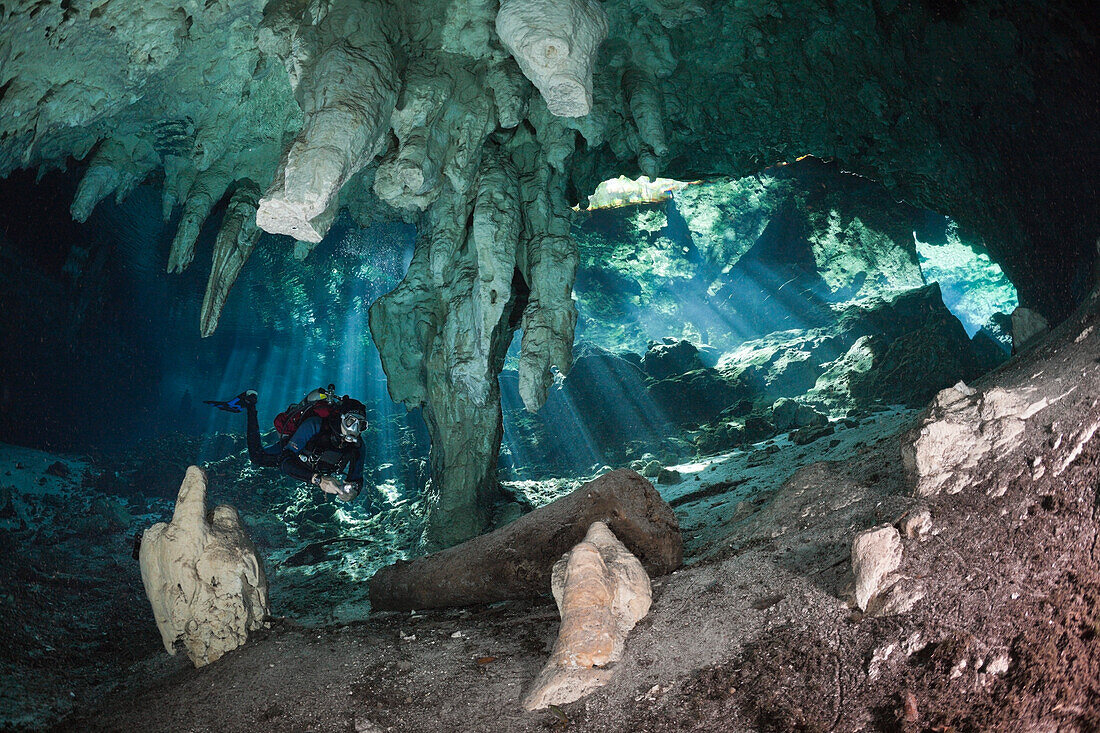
(347, 95)
(643, 97)
(207, 190)
(440, 128)
(555, 44)
(117, 167)
(548, 262)
(236, 240)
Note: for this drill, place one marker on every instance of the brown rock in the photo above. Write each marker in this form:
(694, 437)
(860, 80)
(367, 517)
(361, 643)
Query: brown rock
(516, 560)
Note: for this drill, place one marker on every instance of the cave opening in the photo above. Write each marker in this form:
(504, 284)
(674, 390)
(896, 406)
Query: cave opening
(702, 304)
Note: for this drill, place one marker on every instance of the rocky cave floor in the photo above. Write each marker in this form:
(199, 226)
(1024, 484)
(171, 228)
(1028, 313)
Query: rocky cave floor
(757, 631)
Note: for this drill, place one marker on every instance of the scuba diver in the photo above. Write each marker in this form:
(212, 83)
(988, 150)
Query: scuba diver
(319, 438)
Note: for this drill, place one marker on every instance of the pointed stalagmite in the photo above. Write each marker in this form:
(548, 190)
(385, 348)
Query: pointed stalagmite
(202, 576)
(236, 240)
(602, 591)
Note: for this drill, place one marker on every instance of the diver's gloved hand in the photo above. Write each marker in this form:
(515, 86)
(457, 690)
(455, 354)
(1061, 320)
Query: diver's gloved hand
(329, 485)
(348, 491)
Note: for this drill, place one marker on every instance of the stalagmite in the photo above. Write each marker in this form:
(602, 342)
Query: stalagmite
(116, 168)
(203, 577)
(207, 190)
(347, 95)
(555, 44)
(602, 591)
(236, 240)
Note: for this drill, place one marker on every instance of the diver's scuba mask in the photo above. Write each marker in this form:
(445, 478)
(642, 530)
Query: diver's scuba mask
(352, 425)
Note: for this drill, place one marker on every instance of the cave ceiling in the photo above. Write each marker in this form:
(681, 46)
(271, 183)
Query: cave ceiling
(384, 107)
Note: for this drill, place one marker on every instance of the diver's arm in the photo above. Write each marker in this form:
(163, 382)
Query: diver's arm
(305, 432)
(291, 465)
(355, 466)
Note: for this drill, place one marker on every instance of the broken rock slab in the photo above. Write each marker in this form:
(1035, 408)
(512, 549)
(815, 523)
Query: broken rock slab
(1028, 328)
(202, 576)
(957, 433)
(602, 591)
(879, 589)
(516, 560)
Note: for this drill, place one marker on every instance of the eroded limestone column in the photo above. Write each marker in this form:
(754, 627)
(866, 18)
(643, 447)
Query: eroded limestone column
(203, 578)
(555, 44)
(441, 127)
(442, 335)
(347, 94)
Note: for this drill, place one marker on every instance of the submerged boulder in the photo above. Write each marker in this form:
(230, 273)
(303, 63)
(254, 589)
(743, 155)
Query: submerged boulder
(202, 576)
(696, 397)
(788, 414)
(1028, 327)
(961, 430)
(671, 358)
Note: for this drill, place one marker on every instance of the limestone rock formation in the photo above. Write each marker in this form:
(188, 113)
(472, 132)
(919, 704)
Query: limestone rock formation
(347, 92)
(875, 554)
(237, 238)
(879, 589)
(555, 44)
(1028, 326)
(671, 359)
(402, 106)
(960, 430)
(516, 560)
(202, 575)
(602, 591)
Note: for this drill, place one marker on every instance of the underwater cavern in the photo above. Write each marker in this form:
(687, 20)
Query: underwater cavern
(526, 365)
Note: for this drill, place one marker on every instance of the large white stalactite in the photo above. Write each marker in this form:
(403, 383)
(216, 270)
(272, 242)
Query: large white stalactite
(347, 94)
(555, 44)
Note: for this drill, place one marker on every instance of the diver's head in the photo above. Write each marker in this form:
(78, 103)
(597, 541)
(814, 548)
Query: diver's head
(352, 425)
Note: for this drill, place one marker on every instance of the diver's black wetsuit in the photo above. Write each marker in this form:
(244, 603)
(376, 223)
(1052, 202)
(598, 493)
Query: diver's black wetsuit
(314, 448)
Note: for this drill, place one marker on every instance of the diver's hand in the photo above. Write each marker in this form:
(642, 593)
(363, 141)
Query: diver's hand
(348, 491)
(329, 485)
